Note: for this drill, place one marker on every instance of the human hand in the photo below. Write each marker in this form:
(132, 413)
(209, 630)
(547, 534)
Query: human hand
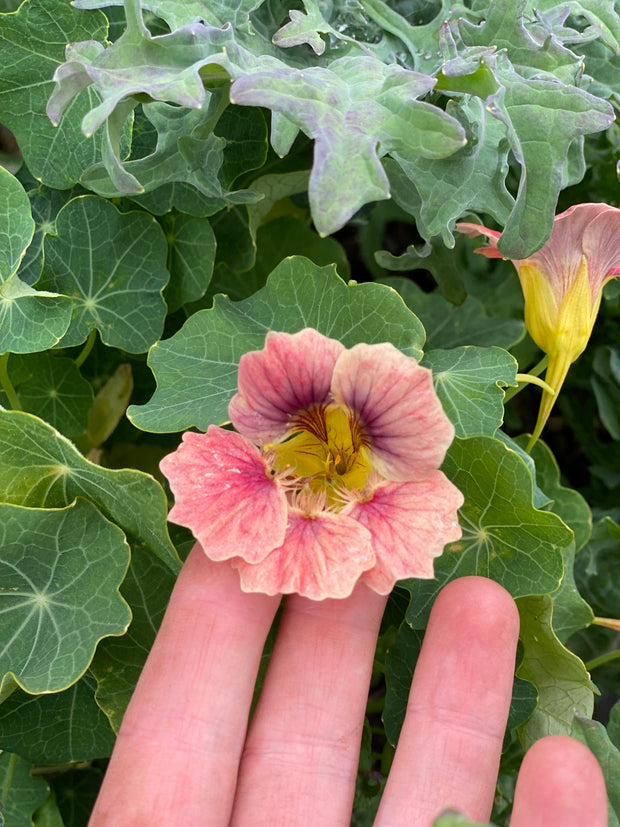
(183, 756)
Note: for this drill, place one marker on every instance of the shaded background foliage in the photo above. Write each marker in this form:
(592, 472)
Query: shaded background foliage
(272, 156)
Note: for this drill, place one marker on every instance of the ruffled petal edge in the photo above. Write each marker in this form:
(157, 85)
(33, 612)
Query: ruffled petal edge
(410, 524)
(321, 557)
(225, 494)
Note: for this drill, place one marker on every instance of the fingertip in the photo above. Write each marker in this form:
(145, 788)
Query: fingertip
(560, 783)
(480, 601)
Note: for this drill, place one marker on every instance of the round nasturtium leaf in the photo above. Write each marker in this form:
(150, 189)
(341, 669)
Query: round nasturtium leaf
(113, 266)
(60, 572)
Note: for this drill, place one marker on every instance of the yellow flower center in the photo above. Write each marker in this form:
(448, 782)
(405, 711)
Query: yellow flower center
(327, 452)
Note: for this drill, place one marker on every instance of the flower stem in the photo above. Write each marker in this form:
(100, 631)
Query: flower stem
(555, 376)
(602, 659)
(535, 371)
(608, 622)
(525, 378)
(88, 346)
(7, 385)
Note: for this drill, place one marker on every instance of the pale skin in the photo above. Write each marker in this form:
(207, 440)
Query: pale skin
(184, 757)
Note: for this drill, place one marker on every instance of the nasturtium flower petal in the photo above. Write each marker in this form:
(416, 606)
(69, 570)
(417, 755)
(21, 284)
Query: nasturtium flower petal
(291, 373)
(409, 523)
(321, 556)
(224, 493)
(393, 399)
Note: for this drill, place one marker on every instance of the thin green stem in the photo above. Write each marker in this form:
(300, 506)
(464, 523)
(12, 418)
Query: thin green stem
(535, 371)
(88, 346)
(8, 780)
(7, 385)
(526, 378)
(596, 662)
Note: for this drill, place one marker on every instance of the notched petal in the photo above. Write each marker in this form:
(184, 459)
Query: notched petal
(410, 524)
(292, 373)
(225, 495)
(322, 556)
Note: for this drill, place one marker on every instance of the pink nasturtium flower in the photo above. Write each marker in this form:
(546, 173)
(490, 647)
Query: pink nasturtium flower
(562, 284)
(332, 476)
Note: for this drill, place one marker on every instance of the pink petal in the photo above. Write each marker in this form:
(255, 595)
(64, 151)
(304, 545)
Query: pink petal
(322, 556)
(474, 230)
(224, 494)
(290, 374)
(560, 258)
(410, 524)
(406, 429)
(601, 246)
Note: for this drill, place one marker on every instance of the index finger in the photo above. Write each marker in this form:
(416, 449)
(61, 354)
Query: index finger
(180, 742)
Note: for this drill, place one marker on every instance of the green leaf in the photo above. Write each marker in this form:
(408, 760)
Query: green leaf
(289, 236)
(451, 818)
(75, 792)
(351, 108)
(471, 180)
(448, 326)
(113, 265)
(603, 19)
(196, 370)
(561, 679)
(16, 224)
(543, 117)
(469, 382)
(304, 28)
(25, 793)
(504, 536)
(181, 12)
(53, 388)
(61, 569)
(606, 387)
(54, 156)
(187, 152)
(421, 40)
(566, 502)
(56, 728)
(118, 662)
(570, 611)
(245, 136)
(274, 188)
(45, 204)
(29, 320)
(399, 668)
(433, 256)
(532, 48)
(48, 814)
(539, 498)
(166, 68)
(191, 254)
(595, 737)
(597, 568)
(40, 468)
